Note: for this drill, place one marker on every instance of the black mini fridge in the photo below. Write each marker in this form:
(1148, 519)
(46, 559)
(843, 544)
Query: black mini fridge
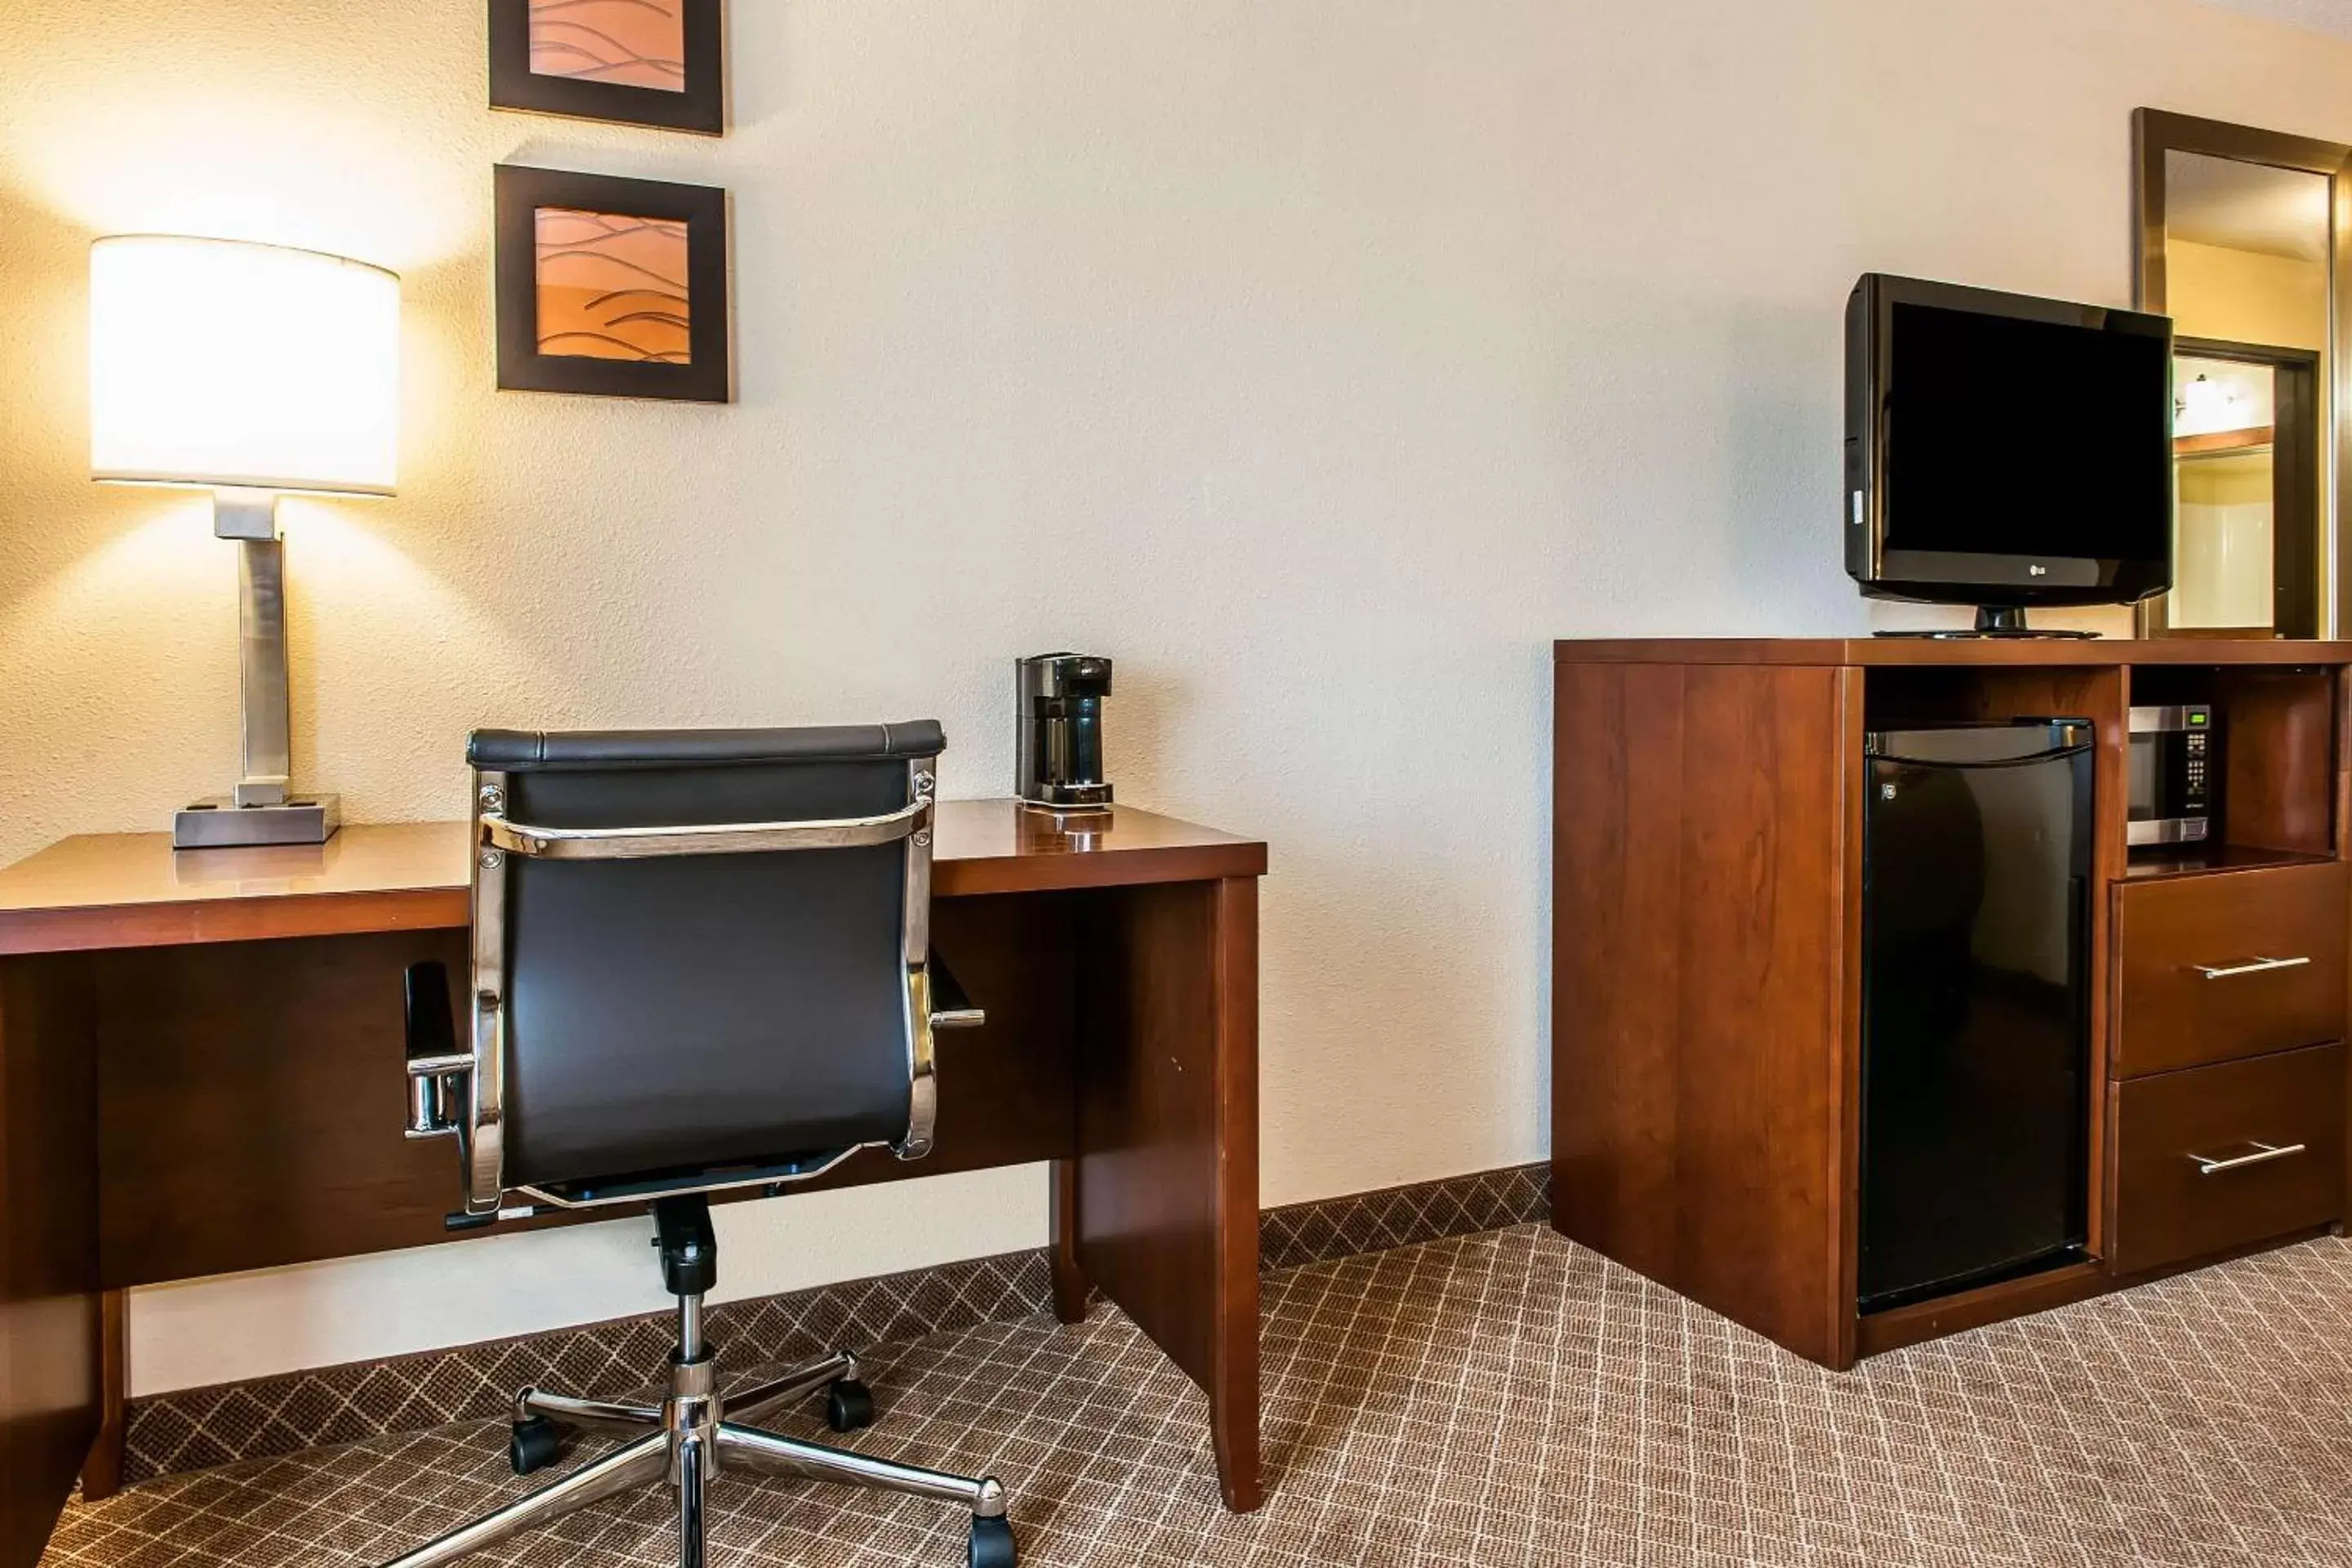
(1976, 1005)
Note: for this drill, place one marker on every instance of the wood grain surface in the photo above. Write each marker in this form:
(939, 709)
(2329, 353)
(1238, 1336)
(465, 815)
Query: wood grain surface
(1701, 953)
(2169, 1014)
(1167, 1165)
(133, 889)
(50, 1362)
(2167, 1210)
(230, 1140)
(1980, 652)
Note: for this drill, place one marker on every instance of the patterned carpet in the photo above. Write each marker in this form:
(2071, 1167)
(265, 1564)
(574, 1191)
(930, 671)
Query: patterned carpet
(1497, 1399)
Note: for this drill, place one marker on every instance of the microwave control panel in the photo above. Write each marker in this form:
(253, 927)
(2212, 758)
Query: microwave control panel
(2197, 793)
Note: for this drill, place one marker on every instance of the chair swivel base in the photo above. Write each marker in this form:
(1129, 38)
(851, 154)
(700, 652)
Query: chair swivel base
(687, 1439)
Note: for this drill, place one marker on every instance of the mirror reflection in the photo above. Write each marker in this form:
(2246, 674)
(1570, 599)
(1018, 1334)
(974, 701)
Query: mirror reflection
(2246, 271)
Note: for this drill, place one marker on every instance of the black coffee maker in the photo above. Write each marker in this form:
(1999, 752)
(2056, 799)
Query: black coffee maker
(1060, 759)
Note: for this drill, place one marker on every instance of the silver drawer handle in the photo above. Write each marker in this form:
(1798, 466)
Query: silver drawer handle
(2264, 1152)
(2259, 966)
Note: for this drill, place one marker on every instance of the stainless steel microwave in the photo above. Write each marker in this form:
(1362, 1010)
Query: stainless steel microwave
(2172, 757)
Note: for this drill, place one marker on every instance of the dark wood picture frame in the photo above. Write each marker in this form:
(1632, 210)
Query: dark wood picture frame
(521, 192)
(2156, 133)
(700, 108)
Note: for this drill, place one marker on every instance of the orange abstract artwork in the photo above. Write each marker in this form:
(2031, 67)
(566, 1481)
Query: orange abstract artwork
(634, 43)
(612, 286)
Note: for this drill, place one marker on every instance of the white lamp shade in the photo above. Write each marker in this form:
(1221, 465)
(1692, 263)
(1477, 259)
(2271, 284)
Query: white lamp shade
(214, 361)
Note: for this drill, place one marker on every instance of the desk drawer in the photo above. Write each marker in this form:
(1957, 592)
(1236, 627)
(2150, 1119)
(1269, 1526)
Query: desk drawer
(2210, 969)
(2201, 1161)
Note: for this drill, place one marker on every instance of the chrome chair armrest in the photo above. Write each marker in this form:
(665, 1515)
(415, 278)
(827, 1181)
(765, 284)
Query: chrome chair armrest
(951, 1008)
(934, 1001)
(437, 1068)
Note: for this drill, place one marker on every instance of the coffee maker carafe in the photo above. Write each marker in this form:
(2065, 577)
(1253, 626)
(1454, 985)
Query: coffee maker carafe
(1061, 758)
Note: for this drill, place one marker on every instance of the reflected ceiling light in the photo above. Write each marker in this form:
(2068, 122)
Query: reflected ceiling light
(2205, 405)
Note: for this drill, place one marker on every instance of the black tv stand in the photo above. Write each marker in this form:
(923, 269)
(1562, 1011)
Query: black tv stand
(1992, 621)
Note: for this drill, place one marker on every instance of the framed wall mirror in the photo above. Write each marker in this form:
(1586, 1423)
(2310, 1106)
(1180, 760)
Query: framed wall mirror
(2245, 240)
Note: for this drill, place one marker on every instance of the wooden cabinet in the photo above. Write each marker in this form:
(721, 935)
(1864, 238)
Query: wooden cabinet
(1706, 962)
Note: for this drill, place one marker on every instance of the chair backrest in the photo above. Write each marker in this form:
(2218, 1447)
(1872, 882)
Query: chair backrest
(674, 1003)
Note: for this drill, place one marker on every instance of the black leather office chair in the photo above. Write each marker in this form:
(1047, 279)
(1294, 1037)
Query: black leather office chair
(701, 963)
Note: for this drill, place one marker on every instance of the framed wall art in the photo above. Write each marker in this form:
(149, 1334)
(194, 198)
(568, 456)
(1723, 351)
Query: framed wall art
(611, 286)
(640, 62)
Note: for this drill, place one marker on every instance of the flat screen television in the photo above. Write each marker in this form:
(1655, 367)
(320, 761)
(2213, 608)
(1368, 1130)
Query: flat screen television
(2005, 451)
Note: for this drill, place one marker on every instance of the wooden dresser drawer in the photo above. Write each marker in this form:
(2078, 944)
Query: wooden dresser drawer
(2202, 1160)
(2214, 968)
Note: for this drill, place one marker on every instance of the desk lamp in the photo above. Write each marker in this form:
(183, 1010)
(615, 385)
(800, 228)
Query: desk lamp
(248, 370)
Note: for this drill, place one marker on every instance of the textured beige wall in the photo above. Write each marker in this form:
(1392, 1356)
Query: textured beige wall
(1319, 361)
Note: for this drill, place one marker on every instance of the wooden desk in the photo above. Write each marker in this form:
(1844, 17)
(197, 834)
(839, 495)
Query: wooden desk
(201, 1071)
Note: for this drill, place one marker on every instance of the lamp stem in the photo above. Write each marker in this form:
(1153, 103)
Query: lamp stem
(266, 722)
(261, 811)
(261, 675)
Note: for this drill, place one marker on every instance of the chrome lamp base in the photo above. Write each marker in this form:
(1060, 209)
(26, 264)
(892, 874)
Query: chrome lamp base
(220, 823)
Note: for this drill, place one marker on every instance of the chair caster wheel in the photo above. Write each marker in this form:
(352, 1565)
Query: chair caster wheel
(533, 1445)
(848, 1405)
(992, 1545)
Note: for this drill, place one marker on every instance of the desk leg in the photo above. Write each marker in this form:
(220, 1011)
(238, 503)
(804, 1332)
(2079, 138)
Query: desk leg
(1166, 1183)
(1234, 1394)
(1070, 1288)
(48, 1242)
(102, 1473)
